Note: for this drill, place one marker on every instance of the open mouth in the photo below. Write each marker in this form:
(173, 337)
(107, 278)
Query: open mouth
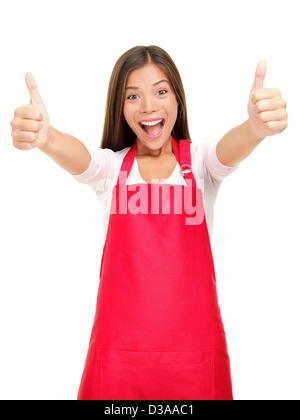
(153, 129)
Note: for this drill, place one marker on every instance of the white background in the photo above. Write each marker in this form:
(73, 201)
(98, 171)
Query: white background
(51, 227)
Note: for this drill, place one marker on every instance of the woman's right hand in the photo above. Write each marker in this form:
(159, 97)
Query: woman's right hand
(30, 126)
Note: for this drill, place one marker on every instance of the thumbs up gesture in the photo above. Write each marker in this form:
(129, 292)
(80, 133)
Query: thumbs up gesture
(266, 108)
(31, 122)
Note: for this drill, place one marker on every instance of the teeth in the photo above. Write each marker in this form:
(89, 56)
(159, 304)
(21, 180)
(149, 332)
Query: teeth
(150, 123)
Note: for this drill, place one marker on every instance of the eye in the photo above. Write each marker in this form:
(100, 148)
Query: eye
(162, 92)
(132, 97)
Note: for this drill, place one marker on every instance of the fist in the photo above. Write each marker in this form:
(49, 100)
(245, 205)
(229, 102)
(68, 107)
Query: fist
(30, 125)
(266, 108)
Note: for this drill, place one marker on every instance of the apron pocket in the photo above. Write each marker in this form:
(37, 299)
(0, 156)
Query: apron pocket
(127, 375)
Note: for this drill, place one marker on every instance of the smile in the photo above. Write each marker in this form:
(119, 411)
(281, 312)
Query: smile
(153, 128)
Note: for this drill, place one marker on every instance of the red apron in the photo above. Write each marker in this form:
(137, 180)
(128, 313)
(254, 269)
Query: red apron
(158, 332)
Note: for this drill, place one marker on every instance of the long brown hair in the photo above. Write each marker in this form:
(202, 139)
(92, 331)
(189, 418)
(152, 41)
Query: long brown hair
(116, 132)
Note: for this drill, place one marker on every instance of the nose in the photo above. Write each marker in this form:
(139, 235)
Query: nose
(149, 105)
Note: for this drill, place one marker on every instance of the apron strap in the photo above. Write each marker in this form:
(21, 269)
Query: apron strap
(127, 164)
(183, 154)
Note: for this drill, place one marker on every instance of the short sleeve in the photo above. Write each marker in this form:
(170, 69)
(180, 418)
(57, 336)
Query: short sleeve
(212, 166)
(99, 167)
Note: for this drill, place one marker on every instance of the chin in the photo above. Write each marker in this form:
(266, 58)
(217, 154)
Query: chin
(154, 144)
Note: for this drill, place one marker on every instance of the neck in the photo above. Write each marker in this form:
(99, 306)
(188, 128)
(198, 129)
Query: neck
(166, 148)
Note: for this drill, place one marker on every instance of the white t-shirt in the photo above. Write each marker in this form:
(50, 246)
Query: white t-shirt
(104, 168)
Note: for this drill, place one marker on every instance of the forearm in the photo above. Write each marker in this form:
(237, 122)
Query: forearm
(67, 151)
(237, 144)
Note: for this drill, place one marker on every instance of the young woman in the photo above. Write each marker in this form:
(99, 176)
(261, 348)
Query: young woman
(158, 332)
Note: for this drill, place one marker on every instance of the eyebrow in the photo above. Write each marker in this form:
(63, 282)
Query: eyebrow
(154, 84)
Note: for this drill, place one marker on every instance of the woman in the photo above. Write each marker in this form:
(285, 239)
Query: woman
(158, 332)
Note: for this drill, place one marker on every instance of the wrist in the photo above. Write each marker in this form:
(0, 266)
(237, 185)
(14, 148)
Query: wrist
(251, 134)
(49, 139)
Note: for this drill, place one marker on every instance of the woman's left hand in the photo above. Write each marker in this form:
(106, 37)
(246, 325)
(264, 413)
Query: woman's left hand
(266, 108)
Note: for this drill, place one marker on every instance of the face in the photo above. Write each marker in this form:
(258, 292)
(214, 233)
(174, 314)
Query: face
(150, 108)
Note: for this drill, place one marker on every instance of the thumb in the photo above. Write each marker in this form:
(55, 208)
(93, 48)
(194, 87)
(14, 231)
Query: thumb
(260, 74)
(35, 98)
